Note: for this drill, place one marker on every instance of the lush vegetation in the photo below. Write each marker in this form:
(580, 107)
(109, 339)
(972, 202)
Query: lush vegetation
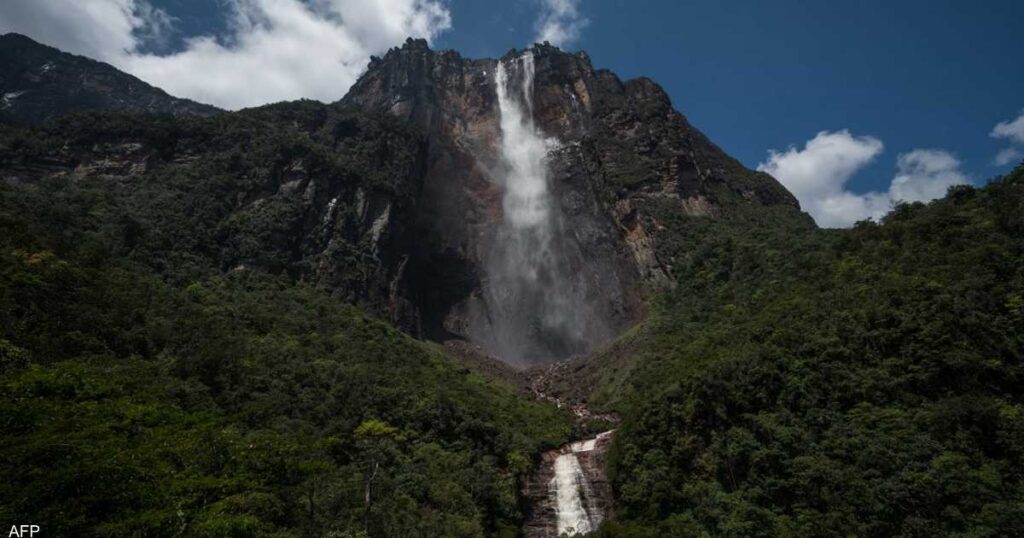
(176, 360)
(166, 372)
(280, 188)
(863, 382)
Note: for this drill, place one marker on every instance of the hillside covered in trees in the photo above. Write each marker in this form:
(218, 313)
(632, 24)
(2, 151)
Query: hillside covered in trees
(154, 384)
(231, 323)
(861, 382)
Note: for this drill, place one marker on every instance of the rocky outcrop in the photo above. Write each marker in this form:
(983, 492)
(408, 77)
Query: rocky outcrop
(622, 150)
(622, 162)
(38, 83)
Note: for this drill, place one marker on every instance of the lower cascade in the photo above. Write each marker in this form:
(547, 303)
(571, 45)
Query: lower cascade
(569, 487)
(570, 494)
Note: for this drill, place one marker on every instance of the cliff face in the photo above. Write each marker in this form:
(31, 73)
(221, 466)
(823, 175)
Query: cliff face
(621, 151)
(399, 205)
(38, 83)
(319, 193)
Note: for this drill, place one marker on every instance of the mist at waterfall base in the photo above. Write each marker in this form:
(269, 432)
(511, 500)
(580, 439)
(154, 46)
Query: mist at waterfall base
(539, 304)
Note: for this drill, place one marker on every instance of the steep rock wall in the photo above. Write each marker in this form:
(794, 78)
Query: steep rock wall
(621, 147)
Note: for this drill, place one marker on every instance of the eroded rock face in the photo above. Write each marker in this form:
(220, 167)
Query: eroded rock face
(409, 229)
(620, 145)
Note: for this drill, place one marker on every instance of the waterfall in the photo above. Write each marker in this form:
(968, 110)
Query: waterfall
(526, 200)
(574, 497)
(537, 304)
(566, 485)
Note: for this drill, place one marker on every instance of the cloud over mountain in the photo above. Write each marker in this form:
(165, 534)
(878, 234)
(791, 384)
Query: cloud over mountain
(818, 174)
(274, 49)
(560, 22)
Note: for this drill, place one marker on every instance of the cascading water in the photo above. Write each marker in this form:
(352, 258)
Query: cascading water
(566, 485)
(575, 500)
(537, 303)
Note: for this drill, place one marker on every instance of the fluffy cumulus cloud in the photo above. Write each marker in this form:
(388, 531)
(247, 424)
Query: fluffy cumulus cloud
(275, 49)
(817, 176)
(818, 173)
(1008, 156)
(925, 174)
(560, 22)
(1012, 130)
(102, 29)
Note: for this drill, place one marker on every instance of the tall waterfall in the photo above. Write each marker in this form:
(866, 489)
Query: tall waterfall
(537, 307)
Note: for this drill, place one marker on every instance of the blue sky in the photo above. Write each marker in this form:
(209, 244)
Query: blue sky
(883, 79)
(759, 75)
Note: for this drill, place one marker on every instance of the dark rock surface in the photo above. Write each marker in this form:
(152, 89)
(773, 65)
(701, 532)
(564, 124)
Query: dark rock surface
(625, 159)
(38, 83)
(623, 150)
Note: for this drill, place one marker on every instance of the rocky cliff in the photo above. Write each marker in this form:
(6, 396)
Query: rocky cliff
(393, 197)
(622, 155)
(317, 192)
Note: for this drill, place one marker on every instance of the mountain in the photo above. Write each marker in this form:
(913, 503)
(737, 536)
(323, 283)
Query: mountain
(627, 165)
(862, 382)
(176, 319)
(181, 349)
(38, 83)
(418, 246)
(288, 320)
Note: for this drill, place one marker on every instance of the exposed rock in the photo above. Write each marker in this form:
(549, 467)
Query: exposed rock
(621, 145)
(623, 157)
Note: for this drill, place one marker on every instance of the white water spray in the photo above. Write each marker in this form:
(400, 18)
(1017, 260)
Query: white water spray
(567, 483)
(572, 492)
(537, 302)
(526, 201)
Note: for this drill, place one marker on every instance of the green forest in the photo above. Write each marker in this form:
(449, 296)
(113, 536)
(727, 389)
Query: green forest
(173, 365)
(148, 391)
(861, 382)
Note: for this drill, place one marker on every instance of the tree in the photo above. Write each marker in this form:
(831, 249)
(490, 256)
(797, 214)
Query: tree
(376, 442)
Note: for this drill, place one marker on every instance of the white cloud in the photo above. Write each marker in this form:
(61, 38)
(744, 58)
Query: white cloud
(925, 174)
(276, 50)
(1011, 129)
(560, 22)
(817, 175)
(101, 29)
(1008, 156)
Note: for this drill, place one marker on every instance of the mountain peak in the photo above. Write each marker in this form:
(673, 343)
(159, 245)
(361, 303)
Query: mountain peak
(14, 37)
(622, 162)
(39, 83)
